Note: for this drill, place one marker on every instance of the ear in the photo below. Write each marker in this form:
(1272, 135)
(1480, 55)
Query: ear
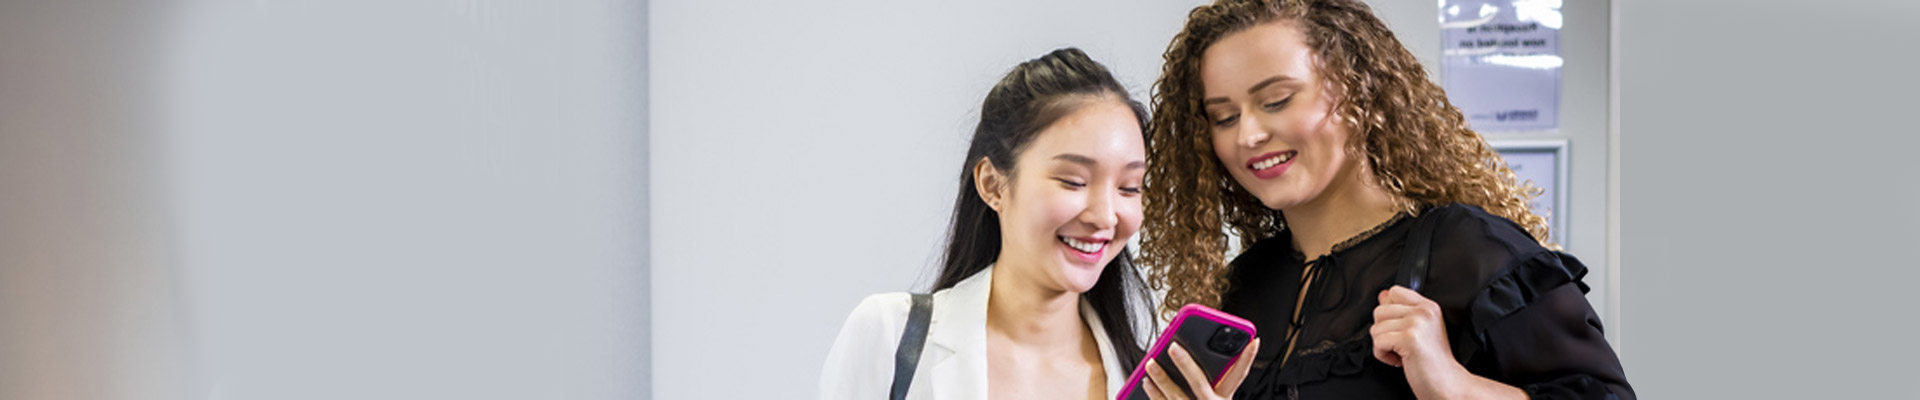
(989, 182)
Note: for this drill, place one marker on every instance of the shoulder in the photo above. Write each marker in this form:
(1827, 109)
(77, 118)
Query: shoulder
(1484, 268)
(1265, 260)
(1461, 225)
(1477, 239)
(883, 312)
(861, 359)
(1473, 248)
(1278, 245)
(1491, 265)
(873, 329)
(1277, 248)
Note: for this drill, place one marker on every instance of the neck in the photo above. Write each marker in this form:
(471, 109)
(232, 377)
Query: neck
(1349, 207)
(1026, 312)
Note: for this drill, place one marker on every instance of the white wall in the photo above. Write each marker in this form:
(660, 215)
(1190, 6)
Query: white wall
(1769, 198)
(807, 153)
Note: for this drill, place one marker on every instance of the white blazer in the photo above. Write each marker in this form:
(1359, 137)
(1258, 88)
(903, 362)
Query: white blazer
(953, 365)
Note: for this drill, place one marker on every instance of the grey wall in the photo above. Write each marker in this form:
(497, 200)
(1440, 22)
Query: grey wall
(411, 200)
(89, 303)
(323, 200)
(640, 312)
(1768, 198)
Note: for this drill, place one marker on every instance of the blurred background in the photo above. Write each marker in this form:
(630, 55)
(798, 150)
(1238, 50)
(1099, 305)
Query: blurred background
(602, 199)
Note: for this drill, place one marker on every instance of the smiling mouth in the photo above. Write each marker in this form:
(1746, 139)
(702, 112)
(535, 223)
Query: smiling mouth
(1269, 162)
(1084, 246)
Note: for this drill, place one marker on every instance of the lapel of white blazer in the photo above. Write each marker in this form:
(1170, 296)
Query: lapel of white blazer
(958, 337)
(1109, 361)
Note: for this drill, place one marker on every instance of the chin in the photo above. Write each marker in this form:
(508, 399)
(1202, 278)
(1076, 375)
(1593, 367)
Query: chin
(1081, 281)
(1276, 202)
(1278, 198)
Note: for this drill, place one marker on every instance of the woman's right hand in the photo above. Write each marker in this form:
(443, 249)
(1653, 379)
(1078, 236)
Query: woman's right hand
(1161, 387)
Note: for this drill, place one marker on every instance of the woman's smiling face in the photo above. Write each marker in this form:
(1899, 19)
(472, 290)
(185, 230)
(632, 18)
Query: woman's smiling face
(1073, 201)
(1272, 117)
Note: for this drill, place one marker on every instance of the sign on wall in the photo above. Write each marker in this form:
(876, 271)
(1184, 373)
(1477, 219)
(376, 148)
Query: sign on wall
(1544, 164)
(1501, 62)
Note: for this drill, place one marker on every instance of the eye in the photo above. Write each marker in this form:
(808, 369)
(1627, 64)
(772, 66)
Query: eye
(1277, 105)
(1228, 121)
(1070, 183)
(1131, 190)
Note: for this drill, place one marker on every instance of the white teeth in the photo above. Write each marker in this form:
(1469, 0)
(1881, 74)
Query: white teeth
(1269, 163)
(1083, 247)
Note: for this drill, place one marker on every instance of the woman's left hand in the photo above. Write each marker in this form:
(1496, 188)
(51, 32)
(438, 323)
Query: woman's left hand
(1408, 332)
(1161, 386)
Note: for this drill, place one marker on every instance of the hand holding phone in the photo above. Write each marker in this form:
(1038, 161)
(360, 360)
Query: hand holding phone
(1201, 347)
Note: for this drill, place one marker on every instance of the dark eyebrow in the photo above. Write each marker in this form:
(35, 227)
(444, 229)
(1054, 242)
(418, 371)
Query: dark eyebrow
(1263, 84)
(1076, 159)
(1256, 87)
(1089, 162)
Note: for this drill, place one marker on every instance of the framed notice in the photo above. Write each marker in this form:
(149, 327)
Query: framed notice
(1500, 62)
(1544, 164)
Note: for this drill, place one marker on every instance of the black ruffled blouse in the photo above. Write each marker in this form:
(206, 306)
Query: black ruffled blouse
(1515, 312)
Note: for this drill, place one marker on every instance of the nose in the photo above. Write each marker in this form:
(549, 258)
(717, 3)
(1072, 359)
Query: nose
(1251, 135)
(1099, 212)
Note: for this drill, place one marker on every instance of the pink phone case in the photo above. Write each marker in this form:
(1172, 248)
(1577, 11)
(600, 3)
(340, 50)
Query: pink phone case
(1212, 319)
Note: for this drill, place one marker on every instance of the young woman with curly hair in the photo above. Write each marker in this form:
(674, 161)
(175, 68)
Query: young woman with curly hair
(1307, 130)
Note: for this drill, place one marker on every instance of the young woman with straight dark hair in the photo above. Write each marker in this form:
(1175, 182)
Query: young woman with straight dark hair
(1037, 295)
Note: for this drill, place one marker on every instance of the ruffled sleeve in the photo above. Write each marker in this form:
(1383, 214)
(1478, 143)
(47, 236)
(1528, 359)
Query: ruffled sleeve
(1536, 331)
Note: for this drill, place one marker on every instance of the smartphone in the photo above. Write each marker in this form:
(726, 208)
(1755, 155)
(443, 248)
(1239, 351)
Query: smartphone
(1214, 338)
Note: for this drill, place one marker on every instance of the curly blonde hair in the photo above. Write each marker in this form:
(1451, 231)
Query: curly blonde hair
(1416, 144)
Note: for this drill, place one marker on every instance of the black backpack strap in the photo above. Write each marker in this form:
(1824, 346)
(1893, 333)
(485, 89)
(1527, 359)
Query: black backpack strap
(1413, 259)
(907, 357)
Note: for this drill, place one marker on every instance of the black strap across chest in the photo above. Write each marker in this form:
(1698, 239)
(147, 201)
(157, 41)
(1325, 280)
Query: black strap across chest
(907, 357)
(1413, 260)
